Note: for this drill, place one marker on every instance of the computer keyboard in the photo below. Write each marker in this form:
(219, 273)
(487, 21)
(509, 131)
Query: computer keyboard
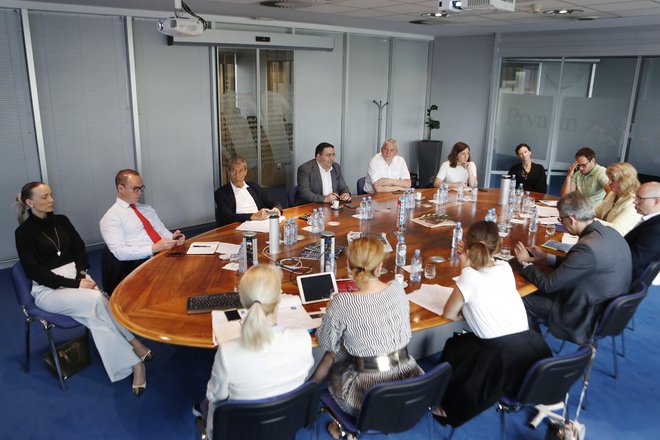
(213, 301)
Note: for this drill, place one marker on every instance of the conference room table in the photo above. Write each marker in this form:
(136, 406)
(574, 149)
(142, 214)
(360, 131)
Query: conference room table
(151, 301)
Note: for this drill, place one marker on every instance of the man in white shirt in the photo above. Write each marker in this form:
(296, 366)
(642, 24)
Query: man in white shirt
(132, 231)
(387, 170)
(320, 179)
(239, 200)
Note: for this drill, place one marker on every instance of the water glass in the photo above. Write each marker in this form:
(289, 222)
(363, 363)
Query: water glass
(550, 229)
(505, 251)
(429, 271)
(503, 229)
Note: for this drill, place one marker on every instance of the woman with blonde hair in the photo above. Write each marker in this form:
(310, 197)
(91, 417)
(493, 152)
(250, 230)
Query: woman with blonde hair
(495, 356)
(267, 360)
(53, 257)
(618, 207)
(365, 333)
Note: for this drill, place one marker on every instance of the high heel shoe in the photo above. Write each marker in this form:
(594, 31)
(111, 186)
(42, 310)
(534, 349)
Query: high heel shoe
(138, 390)
(147, 357)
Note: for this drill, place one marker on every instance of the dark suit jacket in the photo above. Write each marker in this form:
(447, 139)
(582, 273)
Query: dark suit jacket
(310, 186)
(597, 268)
(225, 203)
(644, 242)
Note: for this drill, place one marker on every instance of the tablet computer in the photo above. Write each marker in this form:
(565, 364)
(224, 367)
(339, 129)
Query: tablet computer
(316, 287)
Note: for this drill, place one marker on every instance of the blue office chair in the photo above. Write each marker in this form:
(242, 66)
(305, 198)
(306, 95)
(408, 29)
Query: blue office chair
(360, 186)
(392, 407)
(275, 418)
(291, 196)
(546, 382)
(23, 288)
(647, 277)
(615, 318)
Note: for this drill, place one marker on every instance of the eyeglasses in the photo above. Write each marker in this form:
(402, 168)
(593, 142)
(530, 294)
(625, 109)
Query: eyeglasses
(562, 217)
(638, 199)
(135, 189)
(582, 165)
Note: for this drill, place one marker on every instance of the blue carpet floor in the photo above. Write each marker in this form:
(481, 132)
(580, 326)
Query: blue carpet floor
(32, 405)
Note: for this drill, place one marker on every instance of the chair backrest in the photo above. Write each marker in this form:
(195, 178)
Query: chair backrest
(619, 311)
(22, 285)
(397, 406)
(548, 380)
(650, 272)
(267, 419)
(291, 195)
(360, 186)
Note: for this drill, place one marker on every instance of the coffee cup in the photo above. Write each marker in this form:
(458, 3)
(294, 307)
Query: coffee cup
(418, 196)
(399, 278)
(335, 204)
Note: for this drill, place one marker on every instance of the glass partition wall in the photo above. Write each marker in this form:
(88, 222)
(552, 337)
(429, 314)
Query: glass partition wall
(255, 89)
(560, 105)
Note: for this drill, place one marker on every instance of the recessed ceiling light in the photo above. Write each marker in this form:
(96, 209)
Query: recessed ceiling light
(436, 14)
(563, 12)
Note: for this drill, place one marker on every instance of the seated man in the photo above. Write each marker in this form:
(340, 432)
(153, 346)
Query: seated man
(387, 170)
(239, 200)
(644, 239)
(592, 181)
(597, 268)
(131, 231)
(320, 179)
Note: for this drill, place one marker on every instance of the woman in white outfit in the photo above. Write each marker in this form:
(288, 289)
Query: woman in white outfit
(458, 169)
(53, 256)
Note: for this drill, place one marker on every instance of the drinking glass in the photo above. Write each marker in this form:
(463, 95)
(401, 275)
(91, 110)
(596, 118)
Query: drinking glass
(429, 271)
(550, 229)
(505, 251)
(503, 229)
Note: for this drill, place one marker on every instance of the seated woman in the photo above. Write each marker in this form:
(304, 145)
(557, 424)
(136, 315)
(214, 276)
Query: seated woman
(363, 330)
(531, 175)
(458, 170)
(495, 357)
(618, 207)
(267, 360)
(53, 256)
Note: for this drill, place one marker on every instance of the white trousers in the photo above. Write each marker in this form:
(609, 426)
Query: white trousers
(90, 308)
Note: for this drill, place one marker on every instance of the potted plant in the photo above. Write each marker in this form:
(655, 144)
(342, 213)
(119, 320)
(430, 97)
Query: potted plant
(432, 124)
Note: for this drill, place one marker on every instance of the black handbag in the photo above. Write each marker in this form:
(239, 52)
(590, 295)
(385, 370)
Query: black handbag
(73, 354)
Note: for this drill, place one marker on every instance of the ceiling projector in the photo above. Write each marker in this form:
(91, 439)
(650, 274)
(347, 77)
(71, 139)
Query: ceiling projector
(185, 22)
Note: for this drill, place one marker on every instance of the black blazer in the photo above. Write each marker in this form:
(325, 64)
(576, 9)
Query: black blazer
(597, 268)
(644, 242)
(225, 203)
(310, 186)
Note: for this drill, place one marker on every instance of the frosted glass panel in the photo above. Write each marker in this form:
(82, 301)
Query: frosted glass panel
(644, 152)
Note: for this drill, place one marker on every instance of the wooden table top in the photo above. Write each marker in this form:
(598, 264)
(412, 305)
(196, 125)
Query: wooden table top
(151, 301)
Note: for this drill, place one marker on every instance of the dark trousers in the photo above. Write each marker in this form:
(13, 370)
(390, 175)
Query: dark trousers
(538, 306)
(113, 271)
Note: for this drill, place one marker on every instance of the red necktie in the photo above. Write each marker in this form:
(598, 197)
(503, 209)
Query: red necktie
(147, 225)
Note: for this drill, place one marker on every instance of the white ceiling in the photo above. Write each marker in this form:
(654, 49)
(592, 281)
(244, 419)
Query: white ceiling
(395, 15)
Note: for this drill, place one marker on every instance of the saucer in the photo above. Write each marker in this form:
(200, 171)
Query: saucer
(336, 209)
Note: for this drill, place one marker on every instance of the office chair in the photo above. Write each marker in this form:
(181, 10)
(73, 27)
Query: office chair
(360, 186)
(546, 382)
(291, 196)
(647, 277)
(274, 418)
(392, 407)
(23, 289)
(615, 318)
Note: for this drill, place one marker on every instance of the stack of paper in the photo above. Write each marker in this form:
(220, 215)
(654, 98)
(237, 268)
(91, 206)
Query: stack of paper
(432, 297)
(257, 225)
(202, 248)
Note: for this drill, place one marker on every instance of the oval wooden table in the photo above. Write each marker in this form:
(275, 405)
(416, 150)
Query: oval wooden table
(151, 301)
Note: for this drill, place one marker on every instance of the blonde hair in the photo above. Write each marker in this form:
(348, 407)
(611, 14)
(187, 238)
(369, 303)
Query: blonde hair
(481, 242)
(626, 175)
(22, 197)
(365, 254)
(259, 291)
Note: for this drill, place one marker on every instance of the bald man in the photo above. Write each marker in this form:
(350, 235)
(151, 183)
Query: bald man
(644, 239)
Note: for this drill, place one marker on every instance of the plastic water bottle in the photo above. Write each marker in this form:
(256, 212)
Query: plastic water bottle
(287, 232)
(321, 220)
(242, 259)
(370, 208)
(401, 212)
(459, 194)
(457, 236)
(294, 231)
(401, 249)
(438, 196)
(534, 221)
(410, 198)
(445, 193)
(416, 267)
(315, 221)
(475, 192)
(363, 209)
(513, 183)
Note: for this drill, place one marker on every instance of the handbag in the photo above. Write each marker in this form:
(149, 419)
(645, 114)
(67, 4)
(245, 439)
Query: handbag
(73, 355)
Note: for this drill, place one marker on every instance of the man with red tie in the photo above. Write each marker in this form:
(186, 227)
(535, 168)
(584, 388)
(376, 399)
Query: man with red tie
(132, 231)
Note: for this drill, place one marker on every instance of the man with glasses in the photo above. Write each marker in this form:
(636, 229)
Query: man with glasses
(132, 231)
(239, 200)
(644, 239)
(591, 180)
(320, 179)
(598, 267)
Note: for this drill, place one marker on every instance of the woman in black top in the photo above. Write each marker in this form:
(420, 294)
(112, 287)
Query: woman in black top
(531, 175)
(53, 256)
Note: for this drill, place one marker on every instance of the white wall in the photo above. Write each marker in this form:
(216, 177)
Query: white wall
(460, 87)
